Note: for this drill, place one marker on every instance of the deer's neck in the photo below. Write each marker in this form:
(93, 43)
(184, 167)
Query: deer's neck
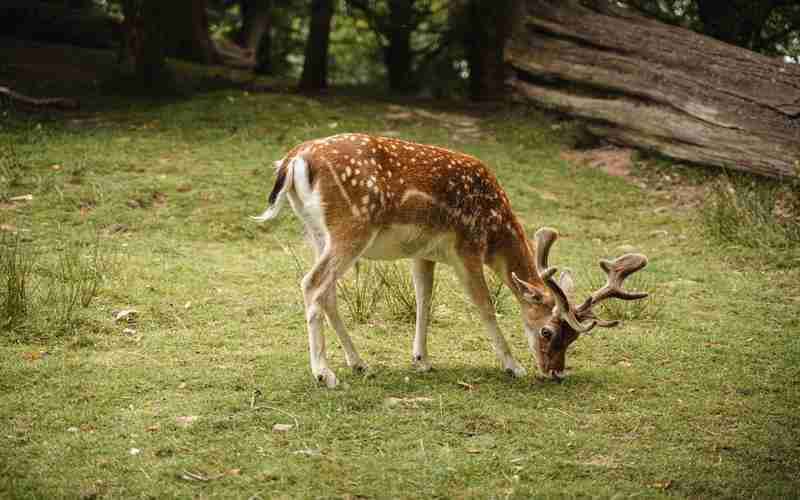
(515, 255)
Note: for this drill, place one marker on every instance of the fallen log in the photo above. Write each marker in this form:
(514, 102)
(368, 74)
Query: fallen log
(649, 85)
(64, 103)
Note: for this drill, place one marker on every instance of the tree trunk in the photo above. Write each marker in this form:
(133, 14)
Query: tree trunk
(489, 26)
(398, 53)
(187, 25)
(653, 86)
(255, 34)
(144, 44)
(315, 66)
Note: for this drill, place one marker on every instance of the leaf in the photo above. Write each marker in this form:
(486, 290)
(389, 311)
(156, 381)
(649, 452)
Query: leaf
(662, 485)
(407, 402)
(34, 355)
(309, 452)
(128, 315)
(186, 421)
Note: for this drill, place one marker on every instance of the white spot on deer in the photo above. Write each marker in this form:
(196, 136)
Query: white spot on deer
(344, 177)
(415, 193)
(358, 171)
(348, 171)
(365, 199)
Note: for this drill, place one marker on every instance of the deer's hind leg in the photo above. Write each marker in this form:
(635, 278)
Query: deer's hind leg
(331, 310)
(319, 292)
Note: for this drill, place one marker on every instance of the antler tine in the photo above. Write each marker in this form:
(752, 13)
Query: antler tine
(545, 237)
(617, 270)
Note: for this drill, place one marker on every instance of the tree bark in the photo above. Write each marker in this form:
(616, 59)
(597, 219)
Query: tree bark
(187, 23)
(315, 66)
(489, 27)
(144, 44)
(658, 87)
(255, 34)
(398, 53)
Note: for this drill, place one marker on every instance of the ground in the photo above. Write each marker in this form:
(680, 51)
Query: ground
(205, 391)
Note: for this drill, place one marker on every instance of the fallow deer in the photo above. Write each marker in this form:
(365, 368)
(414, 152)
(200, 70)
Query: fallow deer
(380, 198)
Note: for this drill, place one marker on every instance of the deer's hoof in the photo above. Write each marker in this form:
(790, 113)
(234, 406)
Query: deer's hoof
(421, 363)
(360, 367)
(516, 371)
(326, 376)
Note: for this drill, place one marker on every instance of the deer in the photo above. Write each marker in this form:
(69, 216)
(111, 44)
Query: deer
(361, 196)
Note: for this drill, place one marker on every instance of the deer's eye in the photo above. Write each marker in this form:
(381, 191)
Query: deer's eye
(546, 333)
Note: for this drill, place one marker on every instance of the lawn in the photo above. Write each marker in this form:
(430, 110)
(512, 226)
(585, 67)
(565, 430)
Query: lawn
(695, 395)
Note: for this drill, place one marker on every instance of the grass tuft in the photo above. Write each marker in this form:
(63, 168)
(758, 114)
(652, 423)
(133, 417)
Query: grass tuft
(12, 170)
(360, 291)
(397, 291)
(16, 268)
(43, 297)
(755, 214)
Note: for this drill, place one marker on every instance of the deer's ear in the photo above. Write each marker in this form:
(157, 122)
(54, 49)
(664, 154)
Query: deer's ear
(531, 294)
(567, 282)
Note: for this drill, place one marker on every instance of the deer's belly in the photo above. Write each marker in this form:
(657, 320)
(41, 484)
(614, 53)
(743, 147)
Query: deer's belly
(408, 242)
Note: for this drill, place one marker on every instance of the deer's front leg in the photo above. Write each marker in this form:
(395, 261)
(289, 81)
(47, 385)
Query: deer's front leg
(470, 273)
(422, 273)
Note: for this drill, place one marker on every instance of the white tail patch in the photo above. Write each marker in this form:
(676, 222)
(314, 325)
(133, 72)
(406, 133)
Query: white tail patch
(297, 167)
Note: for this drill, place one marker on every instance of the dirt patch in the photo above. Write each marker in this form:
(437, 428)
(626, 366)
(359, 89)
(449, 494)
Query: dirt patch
(676, 191)
(461, 126)
(610, 159)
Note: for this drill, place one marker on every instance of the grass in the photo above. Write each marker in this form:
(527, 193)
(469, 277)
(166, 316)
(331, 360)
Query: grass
(696, 396)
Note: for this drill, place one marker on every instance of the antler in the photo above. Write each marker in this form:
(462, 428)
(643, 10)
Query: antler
(545, 237)
(617, 270)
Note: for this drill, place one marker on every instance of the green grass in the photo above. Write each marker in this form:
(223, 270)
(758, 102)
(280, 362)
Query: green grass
(696, 395)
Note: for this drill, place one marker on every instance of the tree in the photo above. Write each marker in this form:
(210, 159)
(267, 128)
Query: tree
(144, 41)
(315, 66)
(255, 34)
(186, 22)
(483, 29)
(654, 86)
(394, 22)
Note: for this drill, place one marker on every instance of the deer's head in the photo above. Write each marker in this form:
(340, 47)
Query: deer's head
(553, 322)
